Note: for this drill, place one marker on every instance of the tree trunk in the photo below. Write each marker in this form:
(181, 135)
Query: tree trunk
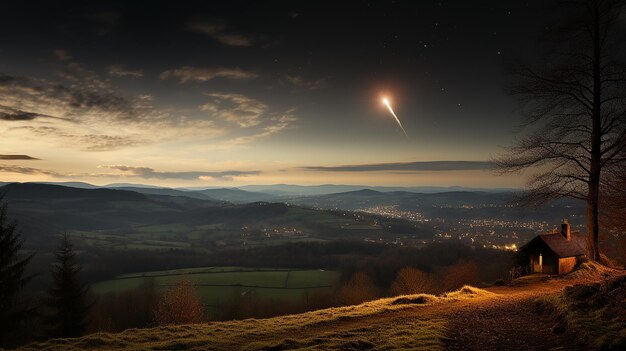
(593, 199)
(593, 226)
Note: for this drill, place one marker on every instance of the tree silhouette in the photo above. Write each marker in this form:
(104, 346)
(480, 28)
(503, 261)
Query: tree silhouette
(67, 296)
(12, 279)
(574, 104)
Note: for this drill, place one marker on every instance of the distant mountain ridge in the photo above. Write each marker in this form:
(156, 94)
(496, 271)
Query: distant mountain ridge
(273, 192)
(50, 191)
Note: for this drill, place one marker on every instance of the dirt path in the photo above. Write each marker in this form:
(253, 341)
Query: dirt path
(514, 325)
(507, 320)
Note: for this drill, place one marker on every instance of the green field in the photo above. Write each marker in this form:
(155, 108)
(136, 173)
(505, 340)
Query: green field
(215, 284)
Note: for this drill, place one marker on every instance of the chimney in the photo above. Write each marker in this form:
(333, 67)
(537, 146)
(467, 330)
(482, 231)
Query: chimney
(565, 230)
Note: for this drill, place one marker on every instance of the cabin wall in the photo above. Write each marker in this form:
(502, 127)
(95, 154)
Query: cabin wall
(566, 264)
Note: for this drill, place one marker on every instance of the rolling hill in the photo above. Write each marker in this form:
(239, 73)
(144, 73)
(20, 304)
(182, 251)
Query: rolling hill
(495, 318)
(236, 195)
(117, 218)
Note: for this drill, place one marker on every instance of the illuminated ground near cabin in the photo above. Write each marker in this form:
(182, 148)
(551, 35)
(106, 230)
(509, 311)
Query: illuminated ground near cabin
(470, 318)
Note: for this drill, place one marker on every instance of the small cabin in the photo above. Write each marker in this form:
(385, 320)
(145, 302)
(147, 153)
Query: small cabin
(557, 252)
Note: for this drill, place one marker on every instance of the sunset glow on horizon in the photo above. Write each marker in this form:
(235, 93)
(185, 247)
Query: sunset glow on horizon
(202, 112)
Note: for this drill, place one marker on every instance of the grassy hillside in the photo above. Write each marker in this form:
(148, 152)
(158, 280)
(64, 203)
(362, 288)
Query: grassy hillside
(496, 318)
(312, 330)
(595, 311)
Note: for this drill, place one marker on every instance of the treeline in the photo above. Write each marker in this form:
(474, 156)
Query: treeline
(368, 271)
(381, 261)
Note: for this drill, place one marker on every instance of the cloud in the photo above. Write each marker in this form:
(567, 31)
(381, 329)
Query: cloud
(133, 172)
(235, 108)
(147, 173)
(17, 157)
(302, 83)
(13, 115)
(275, 124)
(122, 71)
(82, 110)
(190, 74)
(29, 171)
(18, 115)
(220, 32)
(407, 166)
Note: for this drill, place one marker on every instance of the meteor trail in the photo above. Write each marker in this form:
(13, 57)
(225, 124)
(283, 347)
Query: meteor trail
(386, 102)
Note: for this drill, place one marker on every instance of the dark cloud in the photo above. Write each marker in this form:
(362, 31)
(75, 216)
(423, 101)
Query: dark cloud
(147, 173)
(17, 157)
(18, 116)
(198, 74)
(11, 114)
(220, 32)
(89, 95)
(28, 170)
(123, 71)
(305, 84)
(408, 166)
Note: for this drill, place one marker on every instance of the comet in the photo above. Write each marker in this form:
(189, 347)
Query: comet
(386, 103)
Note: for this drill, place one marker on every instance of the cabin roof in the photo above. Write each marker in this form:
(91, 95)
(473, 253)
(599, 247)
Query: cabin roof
(561, 246)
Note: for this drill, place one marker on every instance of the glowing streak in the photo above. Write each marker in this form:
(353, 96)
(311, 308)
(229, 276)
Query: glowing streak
(386, 102)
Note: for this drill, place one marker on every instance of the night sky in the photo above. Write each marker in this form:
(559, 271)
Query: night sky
(228, 93)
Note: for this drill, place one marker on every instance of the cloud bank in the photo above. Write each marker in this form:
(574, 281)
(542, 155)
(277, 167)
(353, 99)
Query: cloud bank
(134, 172)
(148, 173)
(17, 157)
(407, 166)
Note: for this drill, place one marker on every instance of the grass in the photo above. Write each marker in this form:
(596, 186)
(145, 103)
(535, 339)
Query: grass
(333, 328)
(217, 284)
(407, 335)
(596, 312)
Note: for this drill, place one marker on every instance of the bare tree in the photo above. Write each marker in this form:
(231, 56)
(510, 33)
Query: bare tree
(613, 214)
(574, 107)
(180, 305)
(411, 280)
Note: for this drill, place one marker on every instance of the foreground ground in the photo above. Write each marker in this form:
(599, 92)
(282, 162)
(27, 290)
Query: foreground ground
(497, 318)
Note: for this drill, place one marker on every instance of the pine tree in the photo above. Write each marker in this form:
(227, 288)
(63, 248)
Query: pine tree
(12, 279)
(67, 296)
